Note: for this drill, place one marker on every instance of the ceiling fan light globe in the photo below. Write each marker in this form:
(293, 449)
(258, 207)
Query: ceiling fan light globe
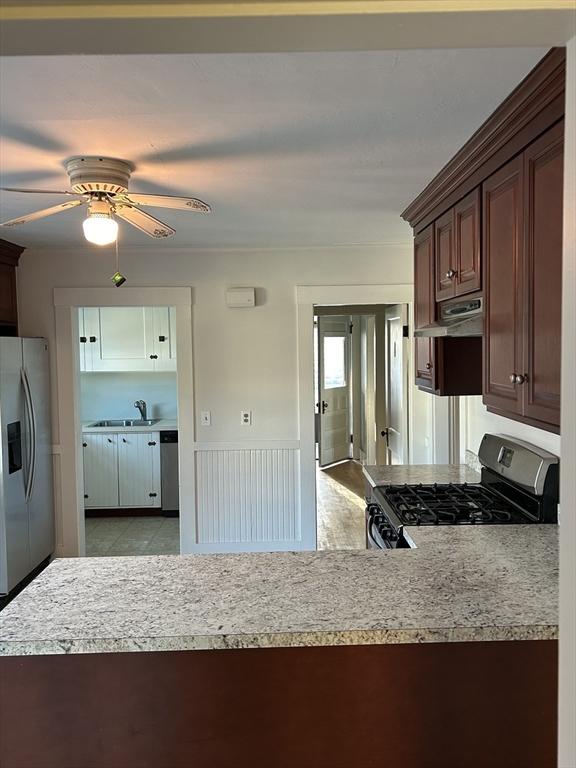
(100, 229)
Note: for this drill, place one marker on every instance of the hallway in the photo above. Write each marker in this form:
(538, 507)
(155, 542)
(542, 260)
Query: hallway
(340, 499)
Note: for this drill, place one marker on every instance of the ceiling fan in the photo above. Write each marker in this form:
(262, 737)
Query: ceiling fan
(101, 183)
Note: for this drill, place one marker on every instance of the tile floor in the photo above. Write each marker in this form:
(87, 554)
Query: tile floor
(340, 494)
(109, 536)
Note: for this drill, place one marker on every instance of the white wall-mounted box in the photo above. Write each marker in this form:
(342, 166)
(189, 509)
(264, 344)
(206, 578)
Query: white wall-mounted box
(240, 297)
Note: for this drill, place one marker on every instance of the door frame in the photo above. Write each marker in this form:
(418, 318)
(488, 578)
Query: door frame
(69, 470)
(307, 297)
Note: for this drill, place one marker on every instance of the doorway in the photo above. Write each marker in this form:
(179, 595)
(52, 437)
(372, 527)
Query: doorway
(129, 416)
(69, 470)
(361, 367)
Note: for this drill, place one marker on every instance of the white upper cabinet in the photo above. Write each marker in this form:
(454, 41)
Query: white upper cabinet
(127, 339)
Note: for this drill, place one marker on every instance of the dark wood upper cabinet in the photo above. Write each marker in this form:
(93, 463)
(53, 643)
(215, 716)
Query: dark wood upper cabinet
(493, 218)
(542, 295)
(523, 277)
(424, 307)
(457, 245)
(9, 255)
(502, 214)
(445, 256)
(468, 277)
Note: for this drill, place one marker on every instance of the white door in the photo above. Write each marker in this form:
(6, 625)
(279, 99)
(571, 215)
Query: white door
(119, 338)
(100, 470)
(139, 469)
(396, 390)
(333, 388)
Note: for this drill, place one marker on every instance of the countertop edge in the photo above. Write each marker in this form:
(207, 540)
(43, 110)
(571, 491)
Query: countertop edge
(279, 640)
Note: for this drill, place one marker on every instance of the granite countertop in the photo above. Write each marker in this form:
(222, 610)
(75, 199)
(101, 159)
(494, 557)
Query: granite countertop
(460, 584)
(420, 473)
(160, 426)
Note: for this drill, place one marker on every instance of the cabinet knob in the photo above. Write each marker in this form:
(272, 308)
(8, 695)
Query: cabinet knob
(161, 338)
(124, 440)
(428, 366)
(83, 339)
(512, 378)
(152, 495)
(521, 379)
(84, 445)
(153, 357)
(153, 442)
(109, 439)
(92, 339)
(451, 274)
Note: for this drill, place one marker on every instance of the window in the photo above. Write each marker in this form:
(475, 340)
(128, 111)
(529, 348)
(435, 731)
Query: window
(334, 362)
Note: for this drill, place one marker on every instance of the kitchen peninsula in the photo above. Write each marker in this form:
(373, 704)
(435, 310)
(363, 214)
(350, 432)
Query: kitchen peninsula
(284, 659)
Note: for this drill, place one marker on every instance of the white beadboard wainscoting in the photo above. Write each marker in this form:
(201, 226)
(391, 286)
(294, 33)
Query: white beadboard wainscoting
(248, 496)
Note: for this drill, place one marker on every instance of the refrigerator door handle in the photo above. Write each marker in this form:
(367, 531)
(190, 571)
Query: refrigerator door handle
(31, 417)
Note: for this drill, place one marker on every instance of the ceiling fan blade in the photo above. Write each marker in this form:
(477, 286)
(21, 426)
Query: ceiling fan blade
(143, 221)
(41, 214)
(170, 201)
(36, 191)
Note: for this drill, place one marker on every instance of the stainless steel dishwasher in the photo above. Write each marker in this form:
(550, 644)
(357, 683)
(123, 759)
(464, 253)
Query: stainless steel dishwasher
(169, 472)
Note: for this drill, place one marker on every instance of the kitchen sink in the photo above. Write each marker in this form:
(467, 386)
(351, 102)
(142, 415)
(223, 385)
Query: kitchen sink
(124, 423)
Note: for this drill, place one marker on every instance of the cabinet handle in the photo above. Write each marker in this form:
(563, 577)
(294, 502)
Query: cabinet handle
(152, 494)
(451, 274)
(428, 366)
(109, 439)
(153, 357)
(83, 339)
(124, 440)
(161, 338)
(152, 443)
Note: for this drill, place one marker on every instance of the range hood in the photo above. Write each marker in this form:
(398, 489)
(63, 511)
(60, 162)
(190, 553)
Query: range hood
(457, 318)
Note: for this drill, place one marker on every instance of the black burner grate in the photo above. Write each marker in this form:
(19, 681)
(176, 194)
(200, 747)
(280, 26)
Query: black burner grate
(449, 504)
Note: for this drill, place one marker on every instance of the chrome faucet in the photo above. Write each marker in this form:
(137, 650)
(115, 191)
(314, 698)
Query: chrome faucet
(141, 405)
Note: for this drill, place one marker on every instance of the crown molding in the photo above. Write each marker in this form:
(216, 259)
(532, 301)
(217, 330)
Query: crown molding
(542, 89)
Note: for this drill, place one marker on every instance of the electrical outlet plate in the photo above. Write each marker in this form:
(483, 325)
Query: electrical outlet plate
(246, 418)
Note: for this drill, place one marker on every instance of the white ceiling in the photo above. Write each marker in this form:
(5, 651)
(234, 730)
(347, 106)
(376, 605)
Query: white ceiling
(290, 149)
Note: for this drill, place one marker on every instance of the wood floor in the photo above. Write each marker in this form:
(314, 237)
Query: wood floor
(340, 498)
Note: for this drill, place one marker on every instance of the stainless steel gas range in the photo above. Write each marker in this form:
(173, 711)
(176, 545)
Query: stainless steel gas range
(518, 486)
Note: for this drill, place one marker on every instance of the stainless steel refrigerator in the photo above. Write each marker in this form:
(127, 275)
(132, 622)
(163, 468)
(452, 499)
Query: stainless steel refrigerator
(26, 496)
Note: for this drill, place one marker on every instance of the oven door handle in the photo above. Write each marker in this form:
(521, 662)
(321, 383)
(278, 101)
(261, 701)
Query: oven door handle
(372, 510)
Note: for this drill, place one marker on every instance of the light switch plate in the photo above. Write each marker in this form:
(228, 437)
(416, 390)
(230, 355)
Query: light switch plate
(205, 418)
(246, 418)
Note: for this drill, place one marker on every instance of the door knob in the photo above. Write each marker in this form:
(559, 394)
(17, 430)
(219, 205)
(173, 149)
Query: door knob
(324, 406)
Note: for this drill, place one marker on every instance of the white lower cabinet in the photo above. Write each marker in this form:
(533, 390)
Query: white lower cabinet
(139, 470)
(121, 470)
(100, 470)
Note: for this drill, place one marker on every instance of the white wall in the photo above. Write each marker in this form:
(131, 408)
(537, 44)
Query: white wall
(476, 421)
(244, 359)
(112, 395)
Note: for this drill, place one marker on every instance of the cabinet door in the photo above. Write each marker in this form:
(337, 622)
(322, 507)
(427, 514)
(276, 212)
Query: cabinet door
(445, 256)
(164, 338)
(100, 470)
(502, 254)
(8, 307)
(119, 338)
(467, 244)
(424, 306)
(139, 469)
(543, 174)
